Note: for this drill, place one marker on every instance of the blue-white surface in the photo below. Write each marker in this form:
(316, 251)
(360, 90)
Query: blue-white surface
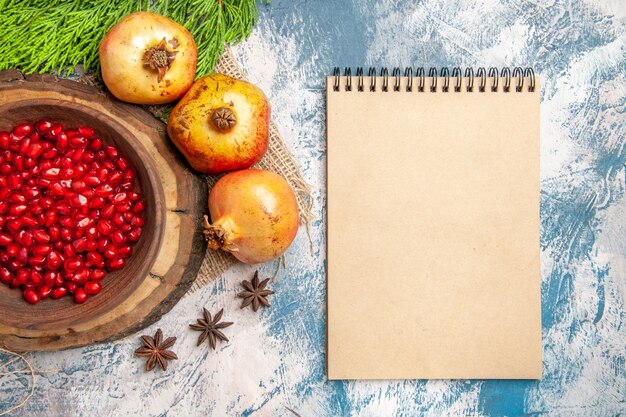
(275, 359)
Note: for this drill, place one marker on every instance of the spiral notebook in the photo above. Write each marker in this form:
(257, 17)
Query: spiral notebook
(433, 224)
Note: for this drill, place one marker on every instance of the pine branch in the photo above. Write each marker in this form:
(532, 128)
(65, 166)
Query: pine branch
(57, 35)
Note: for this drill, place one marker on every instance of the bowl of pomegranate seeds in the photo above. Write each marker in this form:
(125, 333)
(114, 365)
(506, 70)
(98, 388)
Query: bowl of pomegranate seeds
(81, 212)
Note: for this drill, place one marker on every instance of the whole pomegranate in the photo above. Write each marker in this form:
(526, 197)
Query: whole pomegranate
(254, 214)
(221, 124)
(147, 58)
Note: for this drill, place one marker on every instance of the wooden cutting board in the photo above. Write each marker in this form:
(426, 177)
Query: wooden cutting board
(62, 324)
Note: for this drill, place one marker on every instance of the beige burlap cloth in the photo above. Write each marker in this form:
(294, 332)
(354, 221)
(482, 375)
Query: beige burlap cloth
(277, 159)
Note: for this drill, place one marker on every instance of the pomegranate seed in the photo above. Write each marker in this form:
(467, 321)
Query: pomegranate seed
(43, 126)
(5, 239)
(67, 234)
(103, 244)
(63, 208)
(18, 210)
(68, 251)
(91, 180)
(103, 190)
(4, 140)
(55, 232)
(71, 286)
(31, 296)
(29, 220)
(49, 277)
(77, 156)
(31, 193)
(80, 296)
(122, 163)
(35, 278)
(49, 154)
(12, 250)
(37, 260)
(93, 287)
(73, 264)
(116, 264)
(35, 150)
(95, 144)
(86, 132)
(94, 258)
(22, 256)
(126, 185)
(133, 196)
(56, 189)
(27, 239)
(81, 276)
(15, 181)
(62, 141)
(19, 162)
(51, 173)
(54, 130)
(44, 291)
(77, 141)
(89, 156)
(50, 218)
(96, 274)
(122, 208)
(134, 234)
(41, 250)
(14, 225)
(22, 130)
(118, 219)
(80, 245)
(137, 221)
(58, 293)
(17, 198)
(24, 145)
(111, 252)
(97, 202)
(66, 221)
(104, 227)
(41, 236)
(92, 245)
(107, 211)
(125, 251)
(78, 186)
(60, 280)
(5, 275)
(117, 237)
(112, 152)
(54, 260)
(78, 200)
(115, 177)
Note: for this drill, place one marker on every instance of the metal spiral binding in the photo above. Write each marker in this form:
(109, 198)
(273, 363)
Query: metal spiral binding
(518, 74)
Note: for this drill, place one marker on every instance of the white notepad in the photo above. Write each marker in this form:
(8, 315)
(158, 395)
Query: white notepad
(433, 227)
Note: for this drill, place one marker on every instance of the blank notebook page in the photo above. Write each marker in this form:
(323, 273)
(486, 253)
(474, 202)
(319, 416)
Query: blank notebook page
(433, 232)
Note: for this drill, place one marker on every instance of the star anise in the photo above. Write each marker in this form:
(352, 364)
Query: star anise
(159, 58)
(211, 328)
(255, 292)
(157, 350)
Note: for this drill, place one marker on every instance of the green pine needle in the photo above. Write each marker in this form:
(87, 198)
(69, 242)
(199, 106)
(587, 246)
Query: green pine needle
(56, 35)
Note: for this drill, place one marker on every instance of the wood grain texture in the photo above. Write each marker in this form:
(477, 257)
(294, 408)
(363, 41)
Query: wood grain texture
(165, 260)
